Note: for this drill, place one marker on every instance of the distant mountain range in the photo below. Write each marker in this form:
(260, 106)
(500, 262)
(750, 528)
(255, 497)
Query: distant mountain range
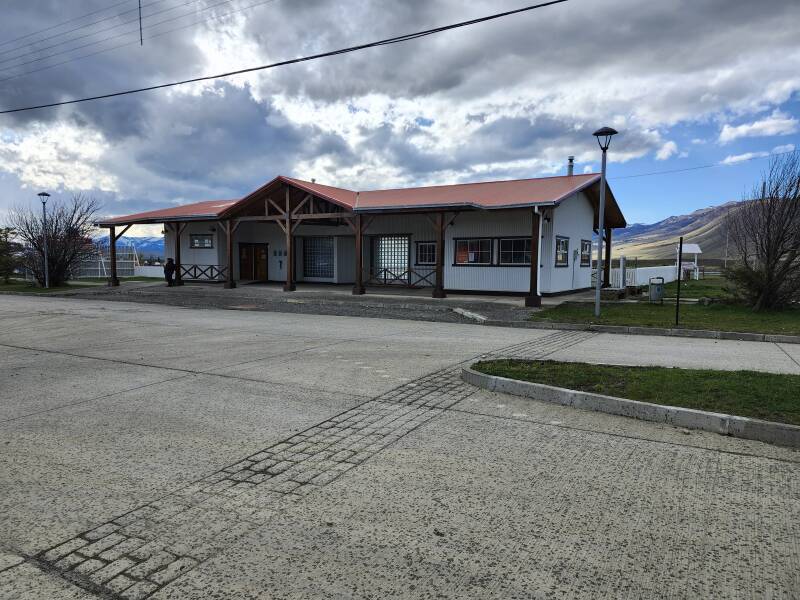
(659, 240)
(145, 246)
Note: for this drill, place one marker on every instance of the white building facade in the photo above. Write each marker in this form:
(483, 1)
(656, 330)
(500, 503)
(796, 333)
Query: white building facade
(488, 231)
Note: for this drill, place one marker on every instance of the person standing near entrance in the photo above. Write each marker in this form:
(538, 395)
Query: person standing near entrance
(169, 272)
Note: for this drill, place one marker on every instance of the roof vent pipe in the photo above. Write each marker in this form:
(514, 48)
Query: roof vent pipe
(570, 165)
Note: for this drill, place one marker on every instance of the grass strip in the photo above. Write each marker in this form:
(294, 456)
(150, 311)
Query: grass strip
(767, 396)
(717, 317)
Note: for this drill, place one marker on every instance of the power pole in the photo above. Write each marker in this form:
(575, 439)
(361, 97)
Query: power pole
(141, 39)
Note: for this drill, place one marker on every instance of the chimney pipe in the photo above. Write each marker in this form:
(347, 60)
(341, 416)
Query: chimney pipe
(570, 165)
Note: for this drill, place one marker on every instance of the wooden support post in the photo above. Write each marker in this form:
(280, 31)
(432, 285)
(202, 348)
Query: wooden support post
(607, 261)
(358, 288)
(289, 286)
(229, 229)
(112, 249)
(533, 298)
(178, 231)
(438, 289)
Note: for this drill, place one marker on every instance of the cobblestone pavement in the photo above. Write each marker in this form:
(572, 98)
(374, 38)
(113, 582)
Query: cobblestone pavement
(430, 488)
(135, 554)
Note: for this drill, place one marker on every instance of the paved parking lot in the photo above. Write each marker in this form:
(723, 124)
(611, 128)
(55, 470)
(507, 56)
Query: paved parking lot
(154, 451)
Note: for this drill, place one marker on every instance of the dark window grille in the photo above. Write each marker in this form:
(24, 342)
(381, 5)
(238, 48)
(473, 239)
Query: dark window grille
(426, 253)
(586, 253)
(474, 252)
(318, 257)
(201, 240)
(515, 251)
(562, 251)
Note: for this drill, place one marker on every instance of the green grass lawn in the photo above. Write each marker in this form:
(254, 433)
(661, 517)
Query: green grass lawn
(19, 285)
(712, 287)
(718, 317)
(135, 278)
(765, 396)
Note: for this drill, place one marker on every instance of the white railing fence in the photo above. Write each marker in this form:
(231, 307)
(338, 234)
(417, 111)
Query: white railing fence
(641, 276)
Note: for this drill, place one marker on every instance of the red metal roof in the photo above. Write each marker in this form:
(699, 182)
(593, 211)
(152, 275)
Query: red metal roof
(517, 193)
(185, 212)
(488, 194)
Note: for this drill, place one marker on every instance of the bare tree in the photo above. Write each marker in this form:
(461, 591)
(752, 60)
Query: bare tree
(765, 233)
(69, 229)
(10, 253)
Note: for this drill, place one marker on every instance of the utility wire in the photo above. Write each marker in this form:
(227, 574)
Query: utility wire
(90, 34)
(41, 31)
(384, 42)
(709, 166)
(123, 45)
(84, 26)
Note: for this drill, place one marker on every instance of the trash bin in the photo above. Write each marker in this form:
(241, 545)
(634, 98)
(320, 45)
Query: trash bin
(656, 289)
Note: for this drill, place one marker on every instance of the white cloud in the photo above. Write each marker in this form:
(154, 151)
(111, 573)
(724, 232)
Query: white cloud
(57, 156)
(667, 150)
(782, 149)
(588, 169)
(778, 123)
(737, 158)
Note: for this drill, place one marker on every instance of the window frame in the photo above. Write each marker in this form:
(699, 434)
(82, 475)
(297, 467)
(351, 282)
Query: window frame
(557, 264)
(308, 247)
(491, 262)
(500, 241)
(417, 261)
(194, 236)
(588, 262)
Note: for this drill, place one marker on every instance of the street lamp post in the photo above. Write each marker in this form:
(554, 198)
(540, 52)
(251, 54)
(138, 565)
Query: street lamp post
(604, 140)
(43, 196)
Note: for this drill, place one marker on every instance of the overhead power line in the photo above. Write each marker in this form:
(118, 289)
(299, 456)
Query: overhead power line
(385, 42)
(56, 26)
(74, 29)
(125, 44)
(90, 34)
(699, 167)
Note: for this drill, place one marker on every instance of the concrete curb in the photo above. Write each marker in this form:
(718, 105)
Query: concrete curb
(632, 330)
(741, 427)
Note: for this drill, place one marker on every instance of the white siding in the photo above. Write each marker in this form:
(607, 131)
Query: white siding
(197, 256)
(573, 219)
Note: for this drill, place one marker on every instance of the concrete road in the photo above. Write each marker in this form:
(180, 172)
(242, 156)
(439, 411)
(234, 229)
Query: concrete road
(153, 451)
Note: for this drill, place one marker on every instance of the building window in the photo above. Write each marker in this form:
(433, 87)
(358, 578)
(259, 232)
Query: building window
(515, 251)
(562, 251)
(474, 252)
(318, 257)
(426, 253)
(391, 255)
(586, 253)
(201, 240)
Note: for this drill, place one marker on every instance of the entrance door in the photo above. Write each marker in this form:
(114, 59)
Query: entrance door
(391, 259)
(253, 262)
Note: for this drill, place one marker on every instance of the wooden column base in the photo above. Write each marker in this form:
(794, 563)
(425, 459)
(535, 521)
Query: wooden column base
(113, 282)
(179, 282)
(533, 301)
(229, 285)
(358, 290)
(438, 293)
(289, 287)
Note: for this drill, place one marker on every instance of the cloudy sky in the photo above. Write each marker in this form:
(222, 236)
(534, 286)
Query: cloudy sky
(687, 82)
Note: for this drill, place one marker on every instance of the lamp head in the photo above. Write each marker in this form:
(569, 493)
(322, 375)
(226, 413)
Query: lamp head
(603, 136)
(43, 196)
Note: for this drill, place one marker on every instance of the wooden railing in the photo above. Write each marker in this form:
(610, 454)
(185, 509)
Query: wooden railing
(411, 277)
(203, 273)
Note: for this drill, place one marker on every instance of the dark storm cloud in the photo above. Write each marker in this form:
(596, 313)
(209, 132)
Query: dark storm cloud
(532, 86)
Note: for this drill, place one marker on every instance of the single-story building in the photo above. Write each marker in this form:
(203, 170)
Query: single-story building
(295, 231)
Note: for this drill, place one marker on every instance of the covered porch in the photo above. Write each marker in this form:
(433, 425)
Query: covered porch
(495, 237)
